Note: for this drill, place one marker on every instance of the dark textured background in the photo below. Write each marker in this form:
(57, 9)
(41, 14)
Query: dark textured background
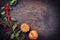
(42, 15)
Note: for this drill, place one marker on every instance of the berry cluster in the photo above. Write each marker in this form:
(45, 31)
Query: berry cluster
(11, 25)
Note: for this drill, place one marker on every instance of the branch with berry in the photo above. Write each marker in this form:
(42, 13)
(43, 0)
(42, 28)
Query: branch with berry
(11, 25)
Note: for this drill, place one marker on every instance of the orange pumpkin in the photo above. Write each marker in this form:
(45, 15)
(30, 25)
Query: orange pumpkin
(33, 39)
(25, 27)
(33, 35)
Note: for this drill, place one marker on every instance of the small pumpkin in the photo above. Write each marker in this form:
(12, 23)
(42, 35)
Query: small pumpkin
(25, 27)
(33, 35)
(32, 39)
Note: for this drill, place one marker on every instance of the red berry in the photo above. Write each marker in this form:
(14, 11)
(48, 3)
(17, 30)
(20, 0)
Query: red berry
(2, 23)
(6, 8)
(7, 29)
(8, 16)
(11, 23)
(10, 30)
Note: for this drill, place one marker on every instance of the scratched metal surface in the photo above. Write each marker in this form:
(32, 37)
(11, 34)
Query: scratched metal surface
(39, 14)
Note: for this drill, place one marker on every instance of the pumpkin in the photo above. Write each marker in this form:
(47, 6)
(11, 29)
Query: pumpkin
(33, 35)
(25, 27)
(32, 39)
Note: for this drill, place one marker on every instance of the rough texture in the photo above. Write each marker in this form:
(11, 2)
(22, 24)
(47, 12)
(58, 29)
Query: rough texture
(41, 16)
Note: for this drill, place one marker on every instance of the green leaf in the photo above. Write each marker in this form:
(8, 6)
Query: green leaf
(12, 2)
(22, 36)
(12, 36)
(6, 21)
(14, 26)
(3, 13)
(13, 19)
(17, 34)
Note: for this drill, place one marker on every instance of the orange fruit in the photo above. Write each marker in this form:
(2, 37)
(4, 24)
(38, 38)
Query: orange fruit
(25, 27)
(32, 39)
(33, 35)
